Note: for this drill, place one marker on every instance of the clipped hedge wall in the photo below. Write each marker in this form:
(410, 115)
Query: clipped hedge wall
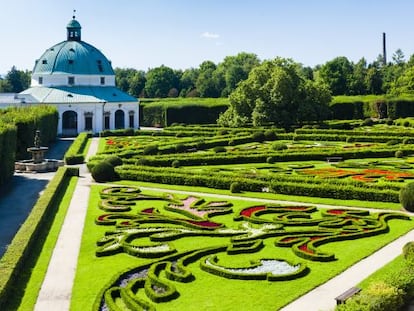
(347, 111)
(188, 159)
(22, 246)
(293, 185)
(196, 111)
(379, 107)
(76, 152)
(27, 121)
(8, 135)
(194, 114)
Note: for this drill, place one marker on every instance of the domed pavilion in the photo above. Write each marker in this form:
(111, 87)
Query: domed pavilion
(79, 80)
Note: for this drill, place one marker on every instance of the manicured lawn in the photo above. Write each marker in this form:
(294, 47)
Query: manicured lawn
(383, 273)
(208, 291)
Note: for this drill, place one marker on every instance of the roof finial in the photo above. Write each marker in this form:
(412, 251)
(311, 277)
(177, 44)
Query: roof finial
(74, 12)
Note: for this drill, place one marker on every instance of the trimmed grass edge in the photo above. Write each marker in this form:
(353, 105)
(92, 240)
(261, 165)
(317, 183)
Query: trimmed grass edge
(20, 249)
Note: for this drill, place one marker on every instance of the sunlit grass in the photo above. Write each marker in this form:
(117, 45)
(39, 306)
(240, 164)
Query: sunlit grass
(207, 292)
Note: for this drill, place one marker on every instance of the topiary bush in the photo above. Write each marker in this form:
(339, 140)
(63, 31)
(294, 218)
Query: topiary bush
(399, 154)
(180, 148)
(258, 136)
(114, 160)
(279, 146)
(270, 135)
(103, 172)
(150, 150)
(235, 187)
(406, 197)
(408, 252)
(142, 161)
(407, 141)
(367, 122)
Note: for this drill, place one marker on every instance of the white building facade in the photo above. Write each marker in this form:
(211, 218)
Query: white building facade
(79, 80)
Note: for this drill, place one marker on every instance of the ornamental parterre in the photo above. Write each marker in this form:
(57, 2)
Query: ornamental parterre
(146, 232)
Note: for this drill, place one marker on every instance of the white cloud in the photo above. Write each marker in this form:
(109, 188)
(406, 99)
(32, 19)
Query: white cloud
(209, 35)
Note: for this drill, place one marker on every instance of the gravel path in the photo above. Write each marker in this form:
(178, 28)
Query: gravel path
(56, 290)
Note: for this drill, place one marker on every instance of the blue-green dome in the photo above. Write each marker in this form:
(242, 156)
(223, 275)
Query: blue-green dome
(73, 57)
(73, 24)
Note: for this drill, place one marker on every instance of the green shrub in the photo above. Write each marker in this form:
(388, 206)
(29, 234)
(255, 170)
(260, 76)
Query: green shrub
(8, 136)
(114, 160)
(103, 172)
(175, 164)
(408, 252)
(180, 148)
(403, 279)
(378, 296)
(142, 161)
(270, 135)
(389, 121)
(235, 187)
(279, 146)
(76, 152)
(406, 123)
(219, 149)
(150, 150)
(258, 136)
(367, 122)
(407, 197)
(392, 142)
(399, 154)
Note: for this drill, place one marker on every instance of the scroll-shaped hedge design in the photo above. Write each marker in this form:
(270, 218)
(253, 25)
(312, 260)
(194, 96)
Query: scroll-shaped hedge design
(154, 234)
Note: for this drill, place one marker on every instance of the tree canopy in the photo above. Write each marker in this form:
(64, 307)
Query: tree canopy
(15, 81)
(277, 92)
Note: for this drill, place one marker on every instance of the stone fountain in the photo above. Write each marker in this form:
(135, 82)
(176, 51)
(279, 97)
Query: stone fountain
(38, 163)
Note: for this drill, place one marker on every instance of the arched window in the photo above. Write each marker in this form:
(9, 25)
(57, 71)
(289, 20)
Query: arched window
(70, 123)
(119, 119)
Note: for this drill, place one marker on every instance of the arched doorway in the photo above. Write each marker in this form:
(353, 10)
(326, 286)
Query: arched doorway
(119, 119)
(70, 123)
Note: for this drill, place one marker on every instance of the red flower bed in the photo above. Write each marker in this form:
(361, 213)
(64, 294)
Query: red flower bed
(336, 211)
(148, 210)
(204, 223)
(304, 248)
(249, 211)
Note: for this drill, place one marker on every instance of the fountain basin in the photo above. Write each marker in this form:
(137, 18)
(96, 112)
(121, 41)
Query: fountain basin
(29, 166)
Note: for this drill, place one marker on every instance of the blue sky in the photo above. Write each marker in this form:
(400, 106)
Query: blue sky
(144, 34)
